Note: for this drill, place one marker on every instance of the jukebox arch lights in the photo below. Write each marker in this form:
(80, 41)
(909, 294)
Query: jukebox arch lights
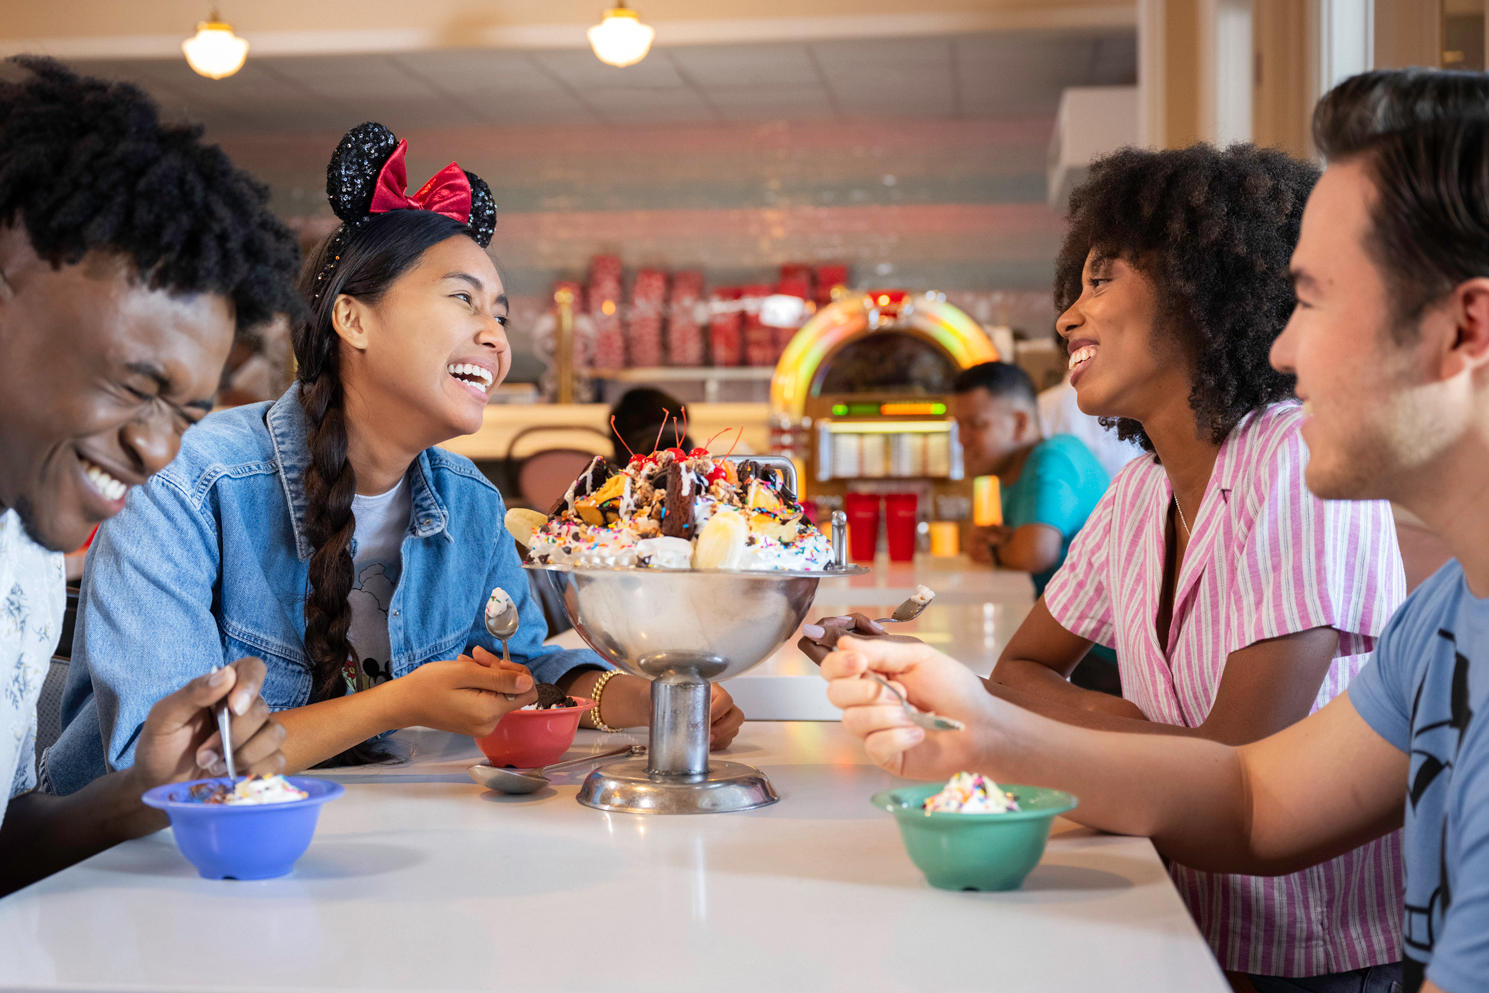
(852, 317)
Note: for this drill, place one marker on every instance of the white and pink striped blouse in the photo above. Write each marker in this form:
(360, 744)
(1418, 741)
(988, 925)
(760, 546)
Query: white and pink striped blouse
(1266, 559)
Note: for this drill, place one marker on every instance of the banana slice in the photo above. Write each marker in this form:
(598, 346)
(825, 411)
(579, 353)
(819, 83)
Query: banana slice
(721, 542)
(521, 523)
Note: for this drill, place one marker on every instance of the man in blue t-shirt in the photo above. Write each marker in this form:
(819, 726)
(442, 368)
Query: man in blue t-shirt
(1390, 345)
(1049, 486)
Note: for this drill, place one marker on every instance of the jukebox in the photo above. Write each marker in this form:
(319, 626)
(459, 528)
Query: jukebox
(861, 399)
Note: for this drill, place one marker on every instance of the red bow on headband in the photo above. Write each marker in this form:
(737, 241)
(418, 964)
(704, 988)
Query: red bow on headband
(447, 192)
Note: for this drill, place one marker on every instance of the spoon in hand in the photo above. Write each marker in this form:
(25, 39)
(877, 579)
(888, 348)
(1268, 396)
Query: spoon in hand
(512, 781)
(224, 729)
(911, 608)
(929, 721)
(501, 621)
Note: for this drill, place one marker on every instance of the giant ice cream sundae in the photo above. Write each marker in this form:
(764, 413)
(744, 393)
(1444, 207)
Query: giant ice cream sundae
(675, 510)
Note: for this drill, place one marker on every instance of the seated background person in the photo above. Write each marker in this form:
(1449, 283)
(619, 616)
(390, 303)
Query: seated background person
(1049, 485)
(119, 300)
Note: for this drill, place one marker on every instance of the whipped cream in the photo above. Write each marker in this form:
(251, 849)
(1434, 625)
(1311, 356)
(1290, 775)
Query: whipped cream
(970, 793)
(254, 790)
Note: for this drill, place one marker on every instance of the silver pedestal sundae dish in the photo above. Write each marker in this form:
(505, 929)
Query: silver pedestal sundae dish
(683, 630)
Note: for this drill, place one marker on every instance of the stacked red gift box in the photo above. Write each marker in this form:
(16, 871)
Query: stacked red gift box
(759, 339)
(796, 281)
(684, 335)
(644, 328)
(604, 311)
(658, 329)
(724, 321)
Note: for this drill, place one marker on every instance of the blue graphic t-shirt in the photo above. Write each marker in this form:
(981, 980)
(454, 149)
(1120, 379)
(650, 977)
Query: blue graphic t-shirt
(1060, 484)
(1426, 691)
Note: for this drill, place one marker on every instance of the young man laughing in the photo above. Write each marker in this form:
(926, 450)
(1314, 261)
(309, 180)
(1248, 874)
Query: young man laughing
(129, 254)
(1390, 346)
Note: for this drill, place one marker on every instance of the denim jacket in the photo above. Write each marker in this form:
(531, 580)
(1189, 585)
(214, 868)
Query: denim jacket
(209, 562)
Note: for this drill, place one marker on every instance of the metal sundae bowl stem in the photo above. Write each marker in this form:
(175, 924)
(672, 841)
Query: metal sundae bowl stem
(682, 629)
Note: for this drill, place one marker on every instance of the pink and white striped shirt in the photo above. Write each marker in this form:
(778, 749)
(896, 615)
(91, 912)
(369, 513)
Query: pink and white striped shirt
(1266, 559)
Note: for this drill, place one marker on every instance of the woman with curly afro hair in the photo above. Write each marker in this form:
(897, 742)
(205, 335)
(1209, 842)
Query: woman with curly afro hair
(1236, 601)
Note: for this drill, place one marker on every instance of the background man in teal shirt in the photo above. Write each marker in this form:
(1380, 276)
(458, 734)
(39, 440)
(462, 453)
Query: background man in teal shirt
(1049, 486)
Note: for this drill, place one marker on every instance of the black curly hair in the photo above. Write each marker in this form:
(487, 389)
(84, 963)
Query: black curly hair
(86, 164)
(1214, 229)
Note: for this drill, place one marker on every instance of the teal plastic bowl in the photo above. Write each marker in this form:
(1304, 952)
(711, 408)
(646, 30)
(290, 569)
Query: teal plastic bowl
(987, 852)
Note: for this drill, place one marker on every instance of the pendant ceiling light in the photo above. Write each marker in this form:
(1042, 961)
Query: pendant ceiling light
(621, 39)
(214, 51)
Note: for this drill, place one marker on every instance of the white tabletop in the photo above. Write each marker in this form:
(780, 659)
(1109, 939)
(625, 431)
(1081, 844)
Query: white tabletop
(420, 880)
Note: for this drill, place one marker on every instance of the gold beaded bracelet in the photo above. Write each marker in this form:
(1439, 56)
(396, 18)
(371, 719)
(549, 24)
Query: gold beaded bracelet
(599, 688)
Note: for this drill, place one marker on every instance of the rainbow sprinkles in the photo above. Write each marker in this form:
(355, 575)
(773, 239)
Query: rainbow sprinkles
(675, 509)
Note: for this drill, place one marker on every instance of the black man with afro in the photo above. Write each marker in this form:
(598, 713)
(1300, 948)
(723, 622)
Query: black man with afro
(131, 254)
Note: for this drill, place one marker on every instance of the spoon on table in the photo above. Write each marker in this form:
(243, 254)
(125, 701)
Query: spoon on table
(927, 720)
(224, 728)
(513, 781)
(911, 608)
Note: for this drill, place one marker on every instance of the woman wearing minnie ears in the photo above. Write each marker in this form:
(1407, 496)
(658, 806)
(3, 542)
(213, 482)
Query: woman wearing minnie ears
(324, 532)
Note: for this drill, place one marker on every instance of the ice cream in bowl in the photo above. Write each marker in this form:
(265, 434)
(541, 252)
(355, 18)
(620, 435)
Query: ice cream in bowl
(538, 734)
(684, 569)
(972, 833)
(254, 828)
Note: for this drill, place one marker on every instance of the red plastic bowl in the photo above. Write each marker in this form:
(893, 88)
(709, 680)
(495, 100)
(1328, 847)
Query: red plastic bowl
(526, 739)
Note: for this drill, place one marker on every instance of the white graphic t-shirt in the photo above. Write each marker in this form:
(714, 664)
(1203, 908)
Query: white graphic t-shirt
(382, 521)
(32, 599)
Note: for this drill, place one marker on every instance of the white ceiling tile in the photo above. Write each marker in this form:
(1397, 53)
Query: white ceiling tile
(485, 71)
(529, 108)
(581, 70)
(983, 75)
(745, 65)
(852, 57)
(634, 105)
(767, 96)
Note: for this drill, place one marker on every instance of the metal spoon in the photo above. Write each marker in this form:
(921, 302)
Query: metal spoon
(503, 625)
(929, 721)
(512, 781)
(911, 608)
(224, 728)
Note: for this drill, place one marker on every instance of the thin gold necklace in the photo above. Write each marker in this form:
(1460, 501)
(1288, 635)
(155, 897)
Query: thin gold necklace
(1187, 534)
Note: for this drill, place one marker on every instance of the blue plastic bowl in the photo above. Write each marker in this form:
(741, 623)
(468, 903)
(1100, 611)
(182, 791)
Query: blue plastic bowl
(248, 841)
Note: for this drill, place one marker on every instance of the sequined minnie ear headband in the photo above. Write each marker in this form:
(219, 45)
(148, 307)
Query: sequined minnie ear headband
(367, 177)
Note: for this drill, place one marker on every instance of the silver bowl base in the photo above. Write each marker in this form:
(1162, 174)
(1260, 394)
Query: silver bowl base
(627, 788)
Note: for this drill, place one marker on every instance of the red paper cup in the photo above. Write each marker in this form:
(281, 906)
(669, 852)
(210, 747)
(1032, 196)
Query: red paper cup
(863, 525)
(899, 526)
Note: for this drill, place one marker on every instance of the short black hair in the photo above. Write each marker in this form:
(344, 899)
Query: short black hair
(1214, 229)
(1000, 379)
(1421, 135)
(1362, 108)
(639, 422)
(86, 164)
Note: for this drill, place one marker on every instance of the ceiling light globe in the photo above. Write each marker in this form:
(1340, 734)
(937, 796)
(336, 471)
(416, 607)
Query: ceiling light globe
(621, 39)
(214, 51)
